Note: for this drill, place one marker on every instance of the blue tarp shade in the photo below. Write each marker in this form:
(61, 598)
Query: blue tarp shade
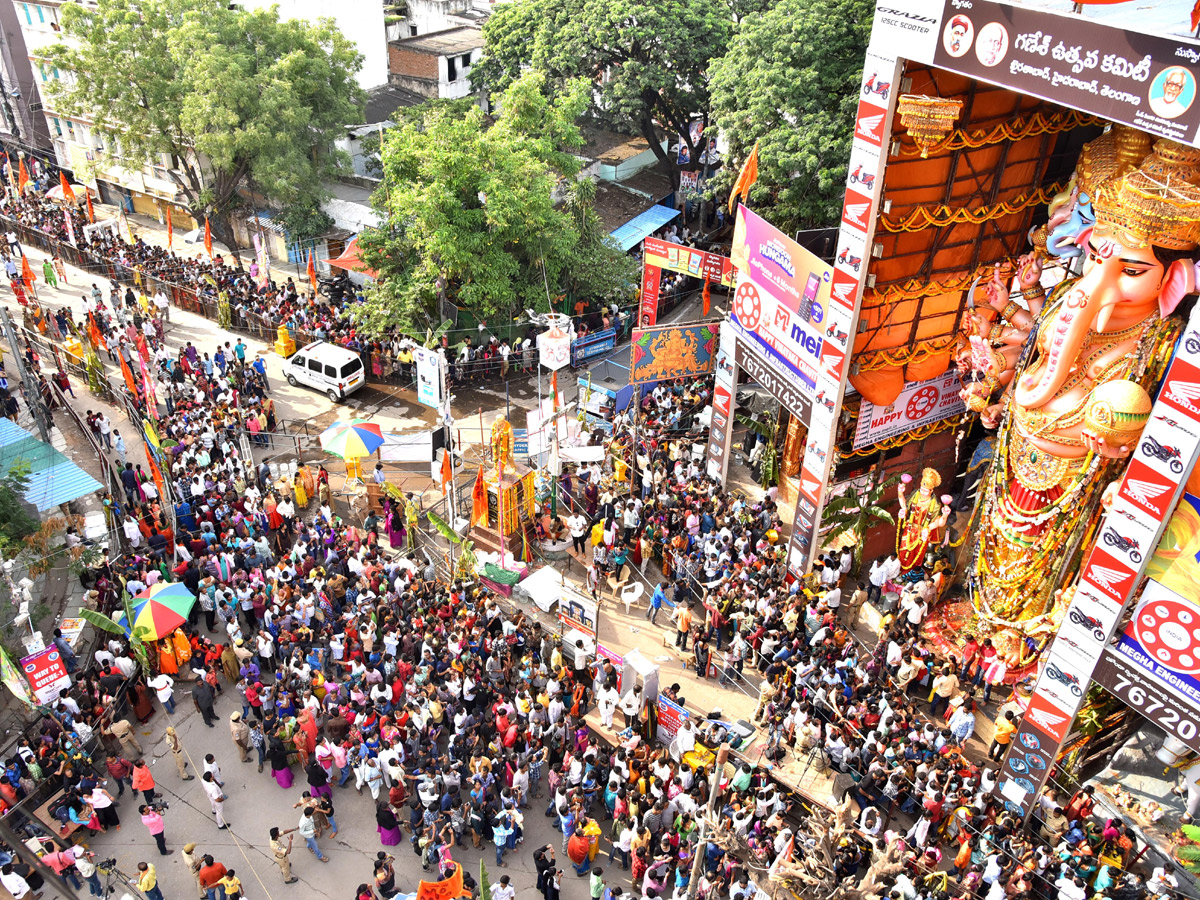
(53, 479)
(643, 225)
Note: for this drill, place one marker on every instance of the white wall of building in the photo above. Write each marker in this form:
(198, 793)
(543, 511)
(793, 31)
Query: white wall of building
(361, 21)
(460, 86)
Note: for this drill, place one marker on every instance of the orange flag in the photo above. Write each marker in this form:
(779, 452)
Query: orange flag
(129, 382)
(745, 179)
(170, 230)
(447, 470)
(68, 194)
(96, 334)
(208, 238)
(312, 272)
(155, 472)
(27, 272)
(22, 177)
(91, 212)
(479, 502)
(707, 295)
(1196, 16)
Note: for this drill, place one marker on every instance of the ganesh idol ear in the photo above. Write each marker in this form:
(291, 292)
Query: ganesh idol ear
(1179, 281)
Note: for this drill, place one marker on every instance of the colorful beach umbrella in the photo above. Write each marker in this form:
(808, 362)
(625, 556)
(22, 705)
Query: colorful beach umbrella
(351, 440)
(160, 609)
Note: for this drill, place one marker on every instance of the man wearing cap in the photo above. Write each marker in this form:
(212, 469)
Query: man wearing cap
(193, 862)
(240, 733)
(282, 853)
(176, 748)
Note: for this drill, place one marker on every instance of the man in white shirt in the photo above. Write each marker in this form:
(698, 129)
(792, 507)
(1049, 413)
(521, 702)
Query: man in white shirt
(15, 884)
(578, 526)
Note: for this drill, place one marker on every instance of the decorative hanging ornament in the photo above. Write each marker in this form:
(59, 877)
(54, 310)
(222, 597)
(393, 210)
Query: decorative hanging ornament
(928, 119)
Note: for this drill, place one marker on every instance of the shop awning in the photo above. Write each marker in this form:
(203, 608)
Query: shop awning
(643, 225)
(350, 261)
(53, 479)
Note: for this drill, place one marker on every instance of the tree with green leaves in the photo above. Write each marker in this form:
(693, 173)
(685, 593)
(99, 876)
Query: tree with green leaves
(648, 63)
(236, 99)
(17, 522)
(790, 81)
(852, 514)
(470, 211)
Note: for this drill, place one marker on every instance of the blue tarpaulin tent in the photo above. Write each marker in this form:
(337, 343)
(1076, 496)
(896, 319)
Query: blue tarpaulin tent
(53, 479)
(643, 225)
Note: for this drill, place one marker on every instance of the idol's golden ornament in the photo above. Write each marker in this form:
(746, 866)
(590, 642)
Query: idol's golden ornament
(928, 119)
(1117, 411)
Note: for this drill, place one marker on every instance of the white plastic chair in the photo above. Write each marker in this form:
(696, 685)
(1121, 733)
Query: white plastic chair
(631, 594)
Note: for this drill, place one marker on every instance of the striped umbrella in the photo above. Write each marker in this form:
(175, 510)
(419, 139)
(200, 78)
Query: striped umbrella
(160, 609)
(351, 440)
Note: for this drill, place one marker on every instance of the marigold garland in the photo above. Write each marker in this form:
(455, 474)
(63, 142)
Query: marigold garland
(939, 217)
(1015, 130)
(912, 288)
(899, 356)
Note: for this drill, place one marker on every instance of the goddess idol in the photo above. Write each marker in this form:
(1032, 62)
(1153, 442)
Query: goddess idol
(1070, 405)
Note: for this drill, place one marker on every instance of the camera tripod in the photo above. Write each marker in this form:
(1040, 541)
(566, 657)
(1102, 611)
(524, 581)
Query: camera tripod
(113, 878)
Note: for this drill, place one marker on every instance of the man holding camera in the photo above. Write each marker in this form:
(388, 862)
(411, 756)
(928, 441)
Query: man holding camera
(153, 820)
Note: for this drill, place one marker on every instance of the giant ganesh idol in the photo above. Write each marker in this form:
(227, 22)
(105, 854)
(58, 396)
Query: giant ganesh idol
(1070, 404)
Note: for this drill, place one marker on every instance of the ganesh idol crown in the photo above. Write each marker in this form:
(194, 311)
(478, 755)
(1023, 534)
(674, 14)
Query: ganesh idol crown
(1065, 378)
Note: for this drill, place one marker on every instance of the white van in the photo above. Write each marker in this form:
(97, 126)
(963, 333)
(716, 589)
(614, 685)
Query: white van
(327, 367)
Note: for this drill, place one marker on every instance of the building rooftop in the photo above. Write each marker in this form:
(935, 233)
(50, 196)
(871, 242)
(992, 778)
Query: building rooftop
(610, 147)
(450, 42)
(384, 100)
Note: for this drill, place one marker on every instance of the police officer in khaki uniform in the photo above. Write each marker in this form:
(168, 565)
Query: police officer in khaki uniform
(193, 862)
(282, 853)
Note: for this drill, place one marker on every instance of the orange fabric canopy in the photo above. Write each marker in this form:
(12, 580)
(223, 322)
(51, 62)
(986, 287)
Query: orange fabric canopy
(350, 261)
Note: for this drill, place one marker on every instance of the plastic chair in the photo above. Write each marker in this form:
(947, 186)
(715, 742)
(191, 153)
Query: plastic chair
(631, 594)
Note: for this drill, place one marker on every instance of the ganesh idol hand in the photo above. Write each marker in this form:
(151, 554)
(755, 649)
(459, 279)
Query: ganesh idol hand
(1102, 447)
(1029, 270)
(997, 290)
(990, 417)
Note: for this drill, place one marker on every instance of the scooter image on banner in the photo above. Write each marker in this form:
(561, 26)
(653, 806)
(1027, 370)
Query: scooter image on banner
(848, 259)
(859, 177)
(873, 87)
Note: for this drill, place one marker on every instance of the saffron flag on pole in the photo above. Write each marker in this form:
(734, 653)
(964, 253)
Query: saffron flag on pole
(707, 295)
(479, 502)
(208, 238)
(447, 470)
(27, 272)
(312, 271)
(96, 334)
(746, 178)
(12, 175)
(91, 212)
(129, 382)
(68, 194)
(170, 229)
(22, 177)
